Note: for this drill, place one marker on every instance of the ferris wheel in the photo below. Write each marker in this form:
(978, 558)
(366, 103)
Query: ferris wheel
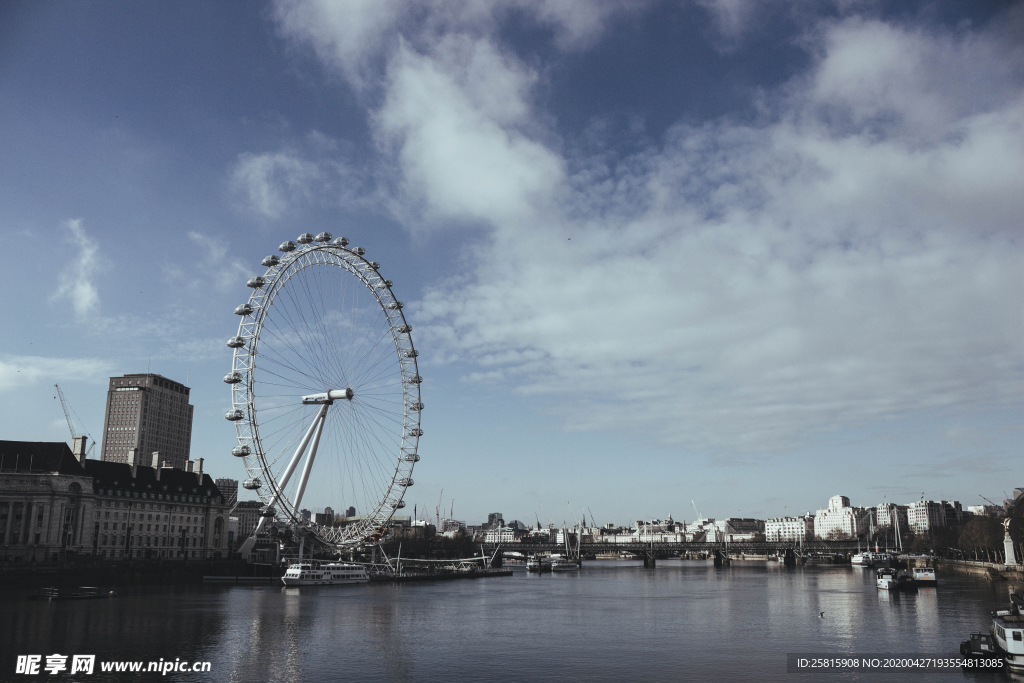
(324, 373)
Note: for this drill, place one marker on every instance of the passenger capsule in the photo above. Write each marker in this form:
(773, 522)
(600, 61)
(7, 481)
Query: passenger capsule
(412, 457)
(375, 265)
(287, 246)
(236, 343)
(411, 353)
(394, 306)
(415, 379)
(305, 238)
(407, 482)
(270, 261)
(388, 283)
(233, 378)
(415, 431)
(241, 451)
(398, 505)
(244, 309)
(404, 329)
(256, 282)
(416, 406)
(267, 512)
(323, 237)
(251, 484)
(234, 415)
(341, 241)
(358, 251)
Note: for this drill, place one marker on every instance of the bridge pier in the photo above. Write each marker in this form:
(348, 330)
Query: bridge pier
(789, 558)
(496, 562)
(722, 558)
(649, 560)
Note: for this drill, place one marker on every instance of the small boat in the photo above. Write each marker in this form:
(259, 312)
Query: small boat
(82, 593)
(925, 576)
(314, 573)
(885, 579)
(906, 582)
(862, 560)
(979, 645)
(538, 564)
(560, 563)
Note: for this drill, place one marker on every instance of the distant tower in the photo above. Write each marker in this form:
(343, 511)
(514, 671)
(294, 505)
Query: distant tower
(228, 489)
(150, 413)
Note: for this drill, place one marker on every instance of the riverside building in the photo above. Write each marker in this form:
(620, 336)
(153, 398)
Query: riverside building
(793, 529)
(840, 520)
(147, 412)
(54, 501)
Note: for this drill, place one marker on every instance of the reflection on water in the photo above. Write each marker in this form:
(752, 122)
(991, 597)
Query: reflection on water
(611, 621)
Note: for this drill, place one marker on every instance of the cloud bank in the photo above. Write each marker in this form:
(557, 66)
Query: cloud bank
(853, 255)
(76, 282)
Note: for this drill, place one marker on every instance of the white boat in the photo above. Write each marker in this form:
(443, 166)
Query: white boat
(313, 573)
(862, 560)
(1008, 634)
(538, 564)
(925, 576)
(885, 580)
(560, 563)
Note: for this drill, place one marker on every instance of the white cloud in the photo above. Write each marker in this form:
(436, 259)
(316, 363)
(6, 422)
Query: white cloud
(225, 272)
(76, 280)
(855, 256)
(268, 184)
(17, 372)
(453, 122)
(355, 35)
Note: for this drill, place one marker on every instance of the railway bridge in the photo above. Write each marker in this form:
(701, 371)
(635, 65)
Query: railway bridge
(651, 552)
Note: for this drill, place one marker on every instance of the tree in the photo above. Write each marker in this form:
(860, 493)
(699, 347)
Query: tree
(838, 535)
(981, 532)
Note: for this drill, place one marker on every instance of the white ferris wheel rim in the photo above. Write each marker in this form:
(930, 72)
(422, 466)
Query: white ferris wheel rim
(350, 262)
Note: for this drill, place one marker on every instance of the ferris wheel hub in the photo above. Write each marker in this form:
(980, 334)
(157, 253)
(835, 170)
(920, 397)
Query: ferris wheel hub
(329, 396)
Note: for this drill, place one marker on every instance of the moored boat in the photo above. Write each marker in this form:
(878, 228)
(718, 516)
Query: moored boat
(1008, 633)
(560, 563)
(862, 560)
(977, 646)
(535, 563)
(925, 576)
(885, 579)
(314, 573)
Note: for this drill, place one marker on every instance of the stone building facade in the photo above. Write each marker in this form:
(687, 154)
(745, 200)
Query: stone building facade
(53, 503)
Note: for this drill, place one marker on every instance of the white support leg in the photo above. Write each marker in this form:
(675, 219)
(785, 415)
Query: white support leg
(286, 475)
(308, 466)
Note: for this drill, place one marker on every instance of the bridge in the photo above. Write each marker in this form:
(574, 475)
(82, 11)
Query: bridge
(650, 552)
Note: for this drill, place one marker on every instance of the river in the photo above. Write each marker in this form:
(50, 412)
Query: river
(612, 621)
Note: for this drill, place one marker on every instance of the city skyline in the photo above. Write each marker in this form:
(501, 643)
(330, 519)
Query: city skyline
(751, 256)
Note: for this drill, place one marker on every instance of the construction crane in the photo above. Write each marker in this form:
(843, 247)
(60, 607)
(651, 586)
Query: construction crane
(988, 501)
(699, 516)
(71, 427)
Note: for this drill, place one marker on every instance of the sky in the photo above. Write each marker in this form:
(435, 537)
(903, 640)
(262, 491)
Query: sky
(660, 257)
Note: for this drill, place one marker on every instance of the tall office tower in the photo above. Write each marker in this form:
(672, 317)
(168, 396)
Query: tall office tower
(148, 413)
(229, 489)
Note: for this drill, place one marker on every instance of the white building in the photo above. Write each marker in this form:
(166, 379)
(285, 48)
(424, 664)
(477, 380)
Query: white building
(888, 514)
(792, 529)
(840, 519)
(501, 534)
(925, 515)
(987, 510)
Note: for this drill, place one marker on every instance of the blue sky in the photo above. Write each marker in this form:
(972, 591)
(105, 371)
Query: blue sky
(751, 254)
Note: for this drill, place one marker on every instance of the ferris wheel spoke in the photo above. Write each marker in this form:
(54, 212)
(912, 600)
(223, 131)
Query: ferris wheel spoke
(316, 315)
(363, 359)
(277, 357)
(297, 319)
